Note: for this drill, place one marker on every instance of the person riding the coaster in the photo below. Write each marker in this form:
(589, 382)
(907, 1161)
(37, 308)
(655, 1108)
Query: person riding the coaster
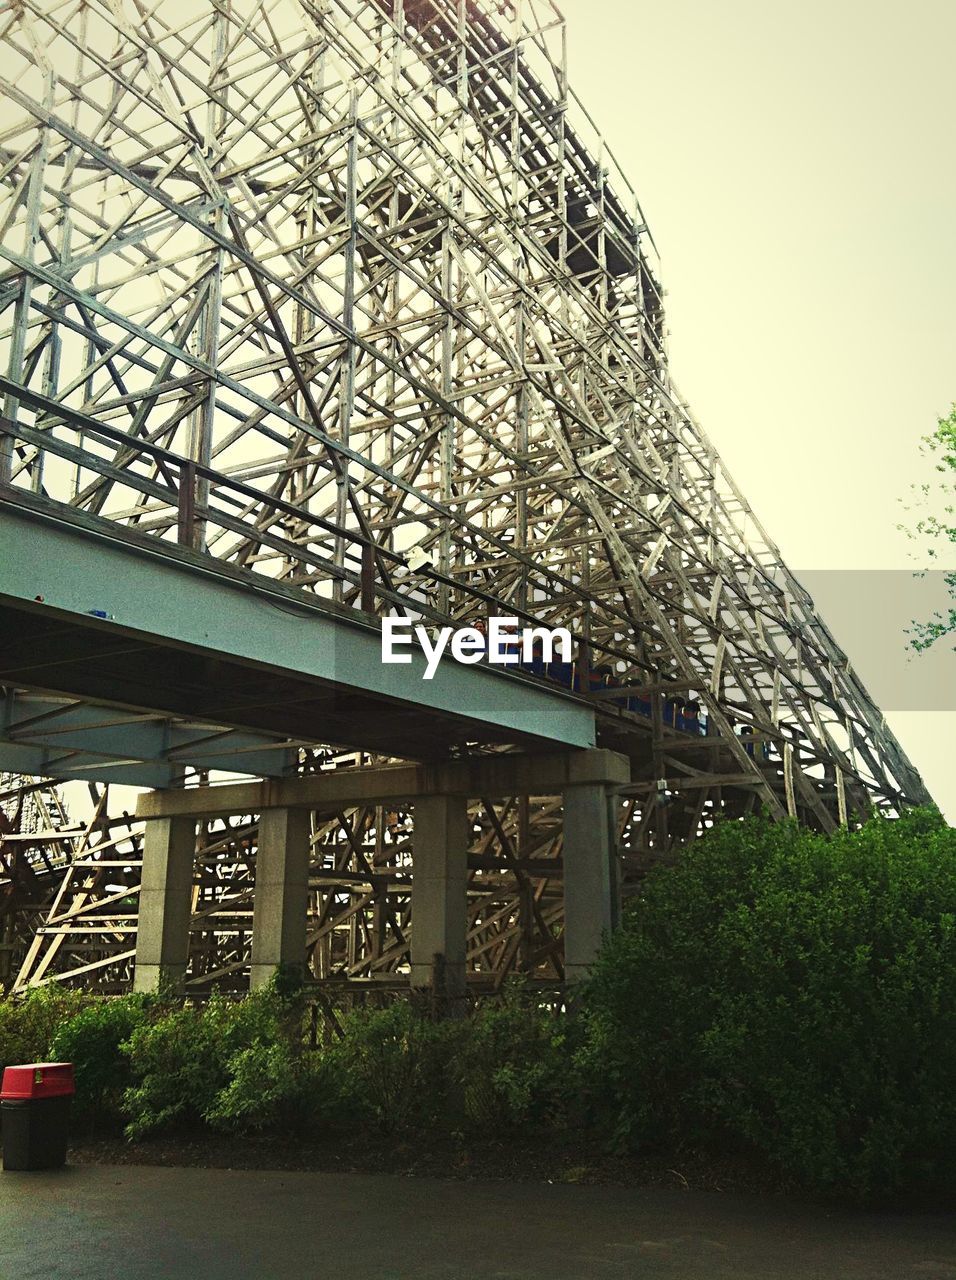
(601, 677)
(690, 718)
(563, 672)
(537, 666)
(672, 707)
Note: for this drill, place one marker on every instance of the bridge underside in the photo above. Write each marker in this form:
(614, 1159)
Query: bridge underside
(185, 637)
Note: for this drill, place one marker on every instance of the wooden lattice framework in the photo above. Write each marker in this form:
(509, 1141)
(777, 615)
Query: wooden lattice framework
(308, 285)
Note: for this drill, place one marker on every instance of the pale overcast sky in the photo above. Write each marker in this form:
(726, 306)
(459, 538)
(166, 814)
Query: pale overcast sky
(797, 167)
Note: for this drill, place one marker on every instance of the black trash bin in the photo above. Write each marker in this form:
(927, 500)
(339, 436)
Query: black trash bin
(35, 1114)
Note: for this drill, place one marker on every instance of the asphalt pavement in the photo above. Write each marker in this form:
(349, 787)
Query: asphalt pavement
(128, 1222)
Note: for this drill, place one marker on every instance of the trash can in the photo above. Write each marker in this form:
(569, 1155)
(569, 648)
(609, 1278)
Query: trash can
(35, 1114)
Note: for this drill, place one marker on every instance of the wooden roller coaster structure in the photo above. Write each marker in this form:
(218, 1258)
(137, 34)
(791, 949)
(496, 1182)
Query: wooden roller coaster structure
(280, 275)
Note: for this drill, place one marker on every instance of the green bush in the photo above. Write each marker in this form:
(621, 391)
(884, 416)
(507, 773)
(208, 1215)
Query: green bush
(274, 1083)
(794, 992)
(181, 1060)
(776, 990)
(513, 1065)
(91, 1039)
(28, 1023)
(402, 1072)
(278, 1087)
(396, 1067)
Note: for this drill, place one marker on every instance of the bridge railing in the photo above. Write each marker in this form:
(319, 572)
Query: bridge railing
(91, 467)
(176, 499)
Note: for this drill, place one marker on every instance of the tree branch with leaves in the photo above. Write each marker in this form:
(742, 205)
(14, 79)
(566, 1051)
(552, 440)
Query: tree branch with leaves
(937, 530)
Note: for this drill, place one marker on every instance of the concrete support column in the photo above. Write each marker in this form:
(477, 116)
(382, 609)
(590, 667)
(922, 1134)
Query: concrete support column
(592, 892)
(165, 902)
(439, 892)
(282, 893)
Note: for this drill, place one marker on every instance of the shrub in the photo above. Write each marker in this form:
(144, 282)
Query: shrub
(91, 1040)
(29, 1023)
(396, 1066)
(794, 991)
(278, 1086)
(181, 1060)
(513, 1065)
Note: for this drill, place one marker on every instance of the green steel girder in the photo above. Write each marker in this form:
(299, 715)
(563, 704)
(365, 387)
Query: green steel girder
(52, 737)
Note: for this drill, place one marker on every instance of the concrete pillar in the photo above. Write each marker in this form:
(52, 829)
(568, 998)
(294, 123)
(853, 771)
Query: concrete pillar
(591, 874)
(282, 893)
(439, 891)
(165, 902)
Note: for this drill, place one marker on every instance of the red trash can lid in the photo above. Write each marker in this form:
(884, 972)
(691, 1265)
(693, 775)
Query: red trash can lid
(37, 1080)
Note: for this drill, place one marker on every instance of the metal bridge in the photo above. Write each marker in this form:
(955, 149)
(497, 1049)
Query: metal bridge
(318, 311)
